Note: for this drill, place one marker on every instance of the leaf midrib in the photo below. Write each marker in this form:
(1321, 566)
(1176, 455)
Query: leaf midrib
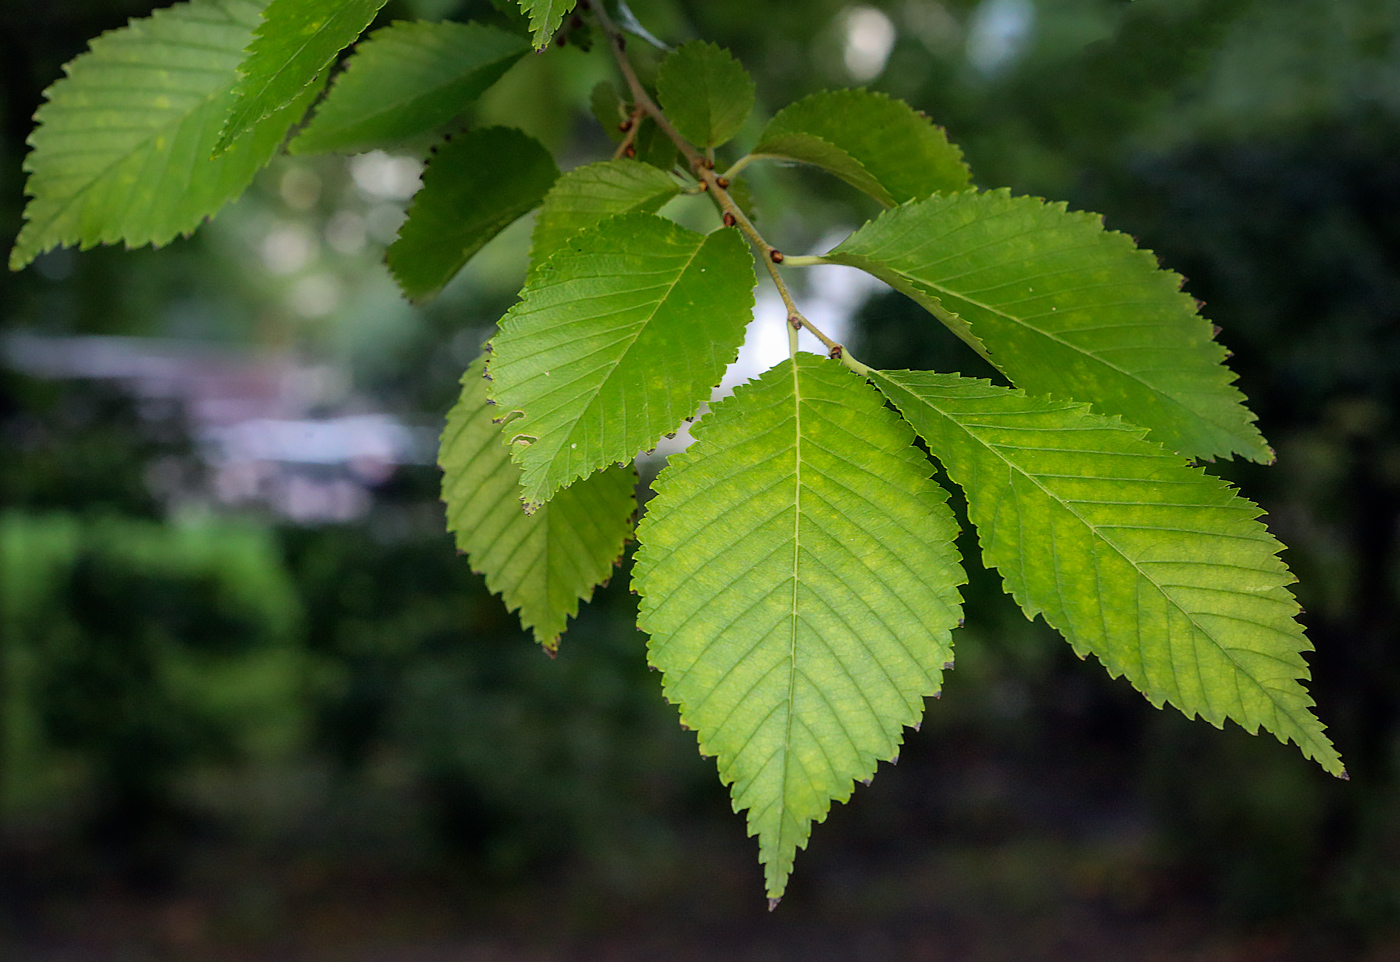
(622, 356)
(287, 64)
(796, 582)
(939, 288)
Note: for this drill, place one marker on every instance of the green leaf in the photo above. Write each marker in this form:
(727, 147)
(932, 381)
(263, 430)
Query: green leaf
(590, 194)
(876, 144)
(122, 147)
(1065, 307)
(545, 18)
(799, 583)
(705, 92)
(618, 338)
(476, 186)
(1156, 567)
(543, 563)
(407, 79)
(295, 42)
(608, 108)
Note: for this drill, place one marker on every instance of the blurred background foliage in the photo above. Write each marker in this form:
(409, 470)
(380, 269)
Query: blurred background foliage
(254, 707)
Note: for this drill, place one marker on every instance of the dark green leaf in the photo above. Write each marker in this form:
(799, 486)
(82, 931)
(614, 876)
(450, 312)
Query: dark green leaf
(706, 93)
(405, 80)
(875, 143)
(476, 186)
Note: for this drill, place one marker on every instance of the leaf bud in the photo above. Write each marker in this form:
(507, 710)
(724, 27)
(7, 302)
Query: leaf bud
(776, 256)
(729, 219)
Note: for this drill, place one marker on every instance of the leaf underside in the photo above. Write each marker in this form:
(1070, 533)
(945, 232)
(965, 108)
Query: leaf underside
(1065, 308)
(706, 93)
(875, 143)
(545, 18)
(476, 186)
(294, 44)
(542, 564)
(1156, 567)
(122, 147)
(405, 80)
(588, 195)
(617, 339)
(799, 583)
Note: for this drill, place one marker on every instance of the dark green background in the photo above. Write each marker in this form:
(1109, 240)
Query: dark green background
(259, 740)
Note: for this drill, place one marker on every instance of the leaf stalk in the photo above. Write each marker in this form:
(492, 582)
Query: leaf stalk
(703, 168)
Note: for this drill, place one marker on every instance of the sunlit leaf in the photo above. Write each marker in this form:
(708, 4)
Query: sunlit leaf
(590, 194)
(546, 16)
(475, 186)
(800, 582)
(1064, 307)
(122, 148)
(1157, 568)
(617, 339)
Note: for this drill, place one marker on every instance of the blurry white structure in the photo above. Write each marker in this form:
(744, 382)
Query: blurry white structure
(999, 33)
(870, 38)
(251, 418)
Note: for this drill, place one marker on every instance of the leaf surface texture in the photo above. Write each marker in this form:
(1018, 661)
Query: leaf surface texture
(617, 339)
(875, 143)
(706, 93)
(475, 186)
(1066, 308)
(542, 564)
(1156, 567)
(588, 195)
(408, 79)
(545, 18)
(123, 143)
(799, 582)
(295, 42)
